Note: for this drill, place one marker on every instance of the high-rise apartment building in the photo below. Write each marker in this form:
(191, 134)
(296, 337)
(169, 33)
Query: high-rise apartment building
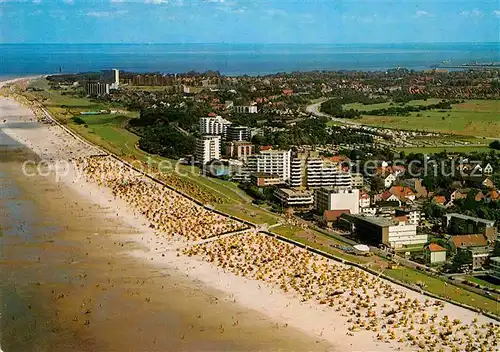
(214, 126)
(313, 171)
(238, 133)
(271, 162)
(207, 149)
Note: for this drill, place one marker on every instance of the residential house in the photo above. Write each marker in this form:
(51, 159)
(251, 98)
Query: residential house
(416, 185)
(389, 180)
(480, 181)
(492, 196)
(364, 200)
(488, 169)
(435, 254)
(386, 197)
(331, 217)
(404, 194)
(458, 194)
(439, 200)
(479, 196)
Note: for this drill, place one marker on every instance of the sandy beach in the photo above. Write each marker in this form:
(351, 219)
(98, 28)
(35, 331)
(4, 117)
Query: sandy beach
(319, 303)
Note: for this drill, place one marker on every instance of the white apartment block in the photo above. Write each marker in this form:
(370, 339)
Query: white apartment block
(271, 162)
(390, 232)
(207, 149)
(214, 126)
(404, 234)
(328, 198)
(415, 216)
(316, 172)
(290, 198)
(357, 180)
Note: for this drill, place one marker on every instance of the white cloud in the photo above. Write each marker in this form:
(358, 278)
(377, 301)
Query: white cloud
(69, 2)
(100, 14)
(156, 2)
(496, 13)
(277, 12)
(422, 13)
(37, 1)
(474, 13)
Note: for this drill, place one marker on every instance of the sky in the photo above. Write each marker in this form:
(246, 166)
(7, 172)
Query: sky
(246, 21)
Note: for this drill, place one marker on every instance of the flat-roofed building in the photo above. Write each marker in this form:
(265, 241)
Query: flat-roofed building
(311, 170)
(214, 126)
(297, 199)
(238, 133)
(239, 150)
(245, 109)
(111, 77)
(459, 224)
(495, 267)
(393, 233)
(262, 179)
(415, 216)
(329, 198)
(207, 149)
(271, 162)
(357, 180)
(97, 88)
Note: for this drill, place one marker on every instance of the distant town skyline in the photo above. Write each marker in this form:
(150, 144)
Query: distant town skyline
(258, 21)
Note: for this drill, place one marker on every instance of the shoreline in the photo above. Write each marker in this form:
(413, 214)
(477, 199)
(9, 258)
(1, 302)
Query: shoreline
(216, 305)
(310, 317)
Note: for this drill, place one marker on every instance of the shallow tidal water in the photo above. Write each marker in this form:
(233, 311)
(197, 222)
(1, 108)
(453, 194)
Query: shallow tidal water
(68, 284)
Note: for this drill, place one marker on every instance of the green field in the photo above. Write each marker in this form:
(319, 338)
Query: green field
(482, 282)
(370, 107)
(432, 150)
(109, 132)
(438, 287)
(471, 118)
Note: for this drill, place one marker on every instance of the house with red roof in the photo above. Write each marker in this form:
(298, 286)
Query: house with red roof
(404, 194)
(386, 197)
(440, 200)
(492, 196)
(331, 217)
(435, 254)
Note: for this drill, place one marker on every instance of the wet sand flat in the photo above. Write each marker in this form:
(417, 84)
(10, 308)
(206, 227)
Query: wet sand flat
(68, 283)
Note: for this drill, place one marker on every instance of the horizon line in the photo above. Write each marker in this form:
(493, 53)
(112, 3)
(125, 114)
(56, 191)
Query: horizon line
(242, 43)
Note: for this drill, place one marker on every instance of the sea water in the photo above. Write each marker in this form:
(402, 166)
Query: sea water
(236, 59)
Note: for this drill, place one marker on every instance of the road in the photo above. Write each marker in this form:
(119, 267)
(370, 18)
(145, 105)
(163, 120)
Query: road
(314, 109)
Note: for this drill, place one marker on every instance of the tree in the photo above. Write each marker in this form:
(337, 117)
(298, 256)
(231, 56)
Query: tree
(377, 184)
(495, 145)
(462, 260)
